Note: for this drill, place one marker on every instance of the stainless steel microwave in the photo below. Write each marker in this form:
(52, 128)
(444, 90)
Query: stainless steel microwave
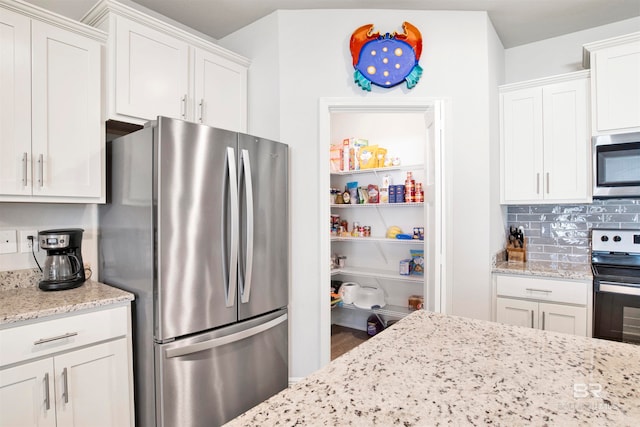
(616, 165)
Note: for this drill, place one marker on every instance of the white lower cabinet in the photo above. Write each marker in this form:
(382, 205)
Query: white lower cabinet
(86, 386)
(547, 304)
(549, 317)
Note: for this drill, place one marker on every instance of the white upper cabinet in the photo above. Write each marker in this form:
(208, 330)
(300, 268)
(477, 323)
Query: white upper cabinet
(615, 74)
(51, 127)
(67, 127)
(15, 104)
(159, 67)
(220, 92)
(152, 72)
(545, 142)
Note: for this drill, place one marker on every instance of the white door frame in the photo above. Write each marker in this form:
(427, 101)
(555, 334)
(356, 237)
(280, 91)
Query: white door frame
(439, 108)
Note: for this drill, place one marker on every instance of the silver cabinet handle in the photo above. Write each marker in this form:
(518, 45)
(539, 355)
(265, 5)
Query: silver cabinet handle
(24, 169)
(245, 172)
(41, 170)
(201, 105)
(543, 320)
(547, 182)
(532, 318)
(232, 273)
(538, 183)
(538, 290)
(59, 337)
(65, 386)
(47, 400)
(183, 107)
(217, 342)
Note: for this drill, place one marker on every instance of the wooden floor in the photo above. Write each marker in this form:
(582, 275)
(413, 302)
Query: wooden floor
(344, 339)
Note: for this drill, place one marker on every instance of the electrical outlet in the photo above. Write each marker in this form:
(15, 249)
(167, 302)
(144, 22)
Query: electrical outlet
(8, 242)
(25, 243)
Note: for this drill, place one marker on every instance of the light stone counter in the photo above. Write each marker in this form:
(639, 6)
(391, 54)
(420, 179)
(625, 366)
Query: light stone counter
(545, 269)
(21, 299)
(431, 369)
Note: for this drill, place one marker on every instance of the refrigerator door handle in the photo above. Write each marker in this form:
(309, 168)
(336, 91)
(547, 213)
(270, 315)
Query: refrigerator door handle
(232, 272)
(217, 342)
(245, 292)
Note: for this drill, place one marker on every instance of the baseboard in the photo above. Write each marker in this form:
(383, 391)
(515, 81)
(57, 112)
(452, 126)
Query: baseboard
(293, 380)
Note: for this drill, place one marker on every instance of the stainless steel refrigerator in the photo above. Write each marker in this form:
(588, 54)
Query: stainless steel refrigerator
(195, 225)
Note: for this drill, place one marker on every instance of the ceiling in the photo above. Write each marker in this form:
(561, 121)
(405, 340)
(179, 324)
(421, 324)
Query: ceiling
(517, 22)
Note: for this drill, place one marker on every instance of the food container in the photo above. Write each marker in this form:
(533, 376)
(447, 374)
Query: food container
(368, 297)
(416, 302)
(404, 267)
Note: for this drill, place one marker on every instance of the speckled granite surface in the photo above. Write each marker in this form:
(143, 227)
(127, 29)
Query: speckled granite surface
(545, 269)
(431, 369)
(20, 298)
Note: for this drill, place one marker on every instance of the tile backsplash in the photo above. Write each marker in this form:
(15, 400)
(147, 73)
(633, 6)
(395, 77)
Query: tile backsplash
(561, 233)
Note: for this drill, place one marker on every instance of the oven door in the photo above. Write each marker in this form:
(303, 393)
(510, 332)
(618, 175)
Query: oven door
(616, 313)
(615, 165)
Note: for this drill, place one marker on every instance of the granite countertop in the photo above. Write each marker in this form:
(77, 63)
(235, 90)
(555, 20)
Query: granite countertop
(21, 299)
(545, 269)
(431, 369)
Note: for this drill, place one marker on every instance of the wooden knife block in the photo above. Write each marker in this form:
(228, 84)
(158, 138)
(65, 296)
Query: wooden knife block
(517, 254)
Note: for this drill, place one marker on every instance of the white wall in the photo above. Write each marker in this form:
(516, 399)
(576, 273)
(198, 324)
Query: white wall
(314, 62)
(43, 216)
(561, 54)
(496, 66)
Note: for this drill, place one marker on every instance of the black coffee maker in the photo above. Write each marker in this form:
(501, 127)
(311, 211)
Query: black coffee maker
(63, 267)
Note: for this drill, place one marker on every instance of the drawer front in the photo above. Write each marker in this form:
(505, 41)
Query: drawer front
(543, 289)
(51, 336)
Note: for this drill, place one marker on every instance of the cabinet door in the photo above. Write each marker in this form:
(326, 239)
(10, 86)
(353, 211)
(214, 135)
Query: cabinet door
(617, 87)
(15, 104)
(522, 145)
(151, 72)
(220, 92)
(563, 318)
(517, 312)
(26, 395)
(67, 127)
(567, 141)
(92, 386)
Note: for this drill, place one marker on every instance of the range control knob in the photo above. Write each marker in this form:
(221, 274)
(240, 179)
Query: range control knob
(605, 238)
(617, 238)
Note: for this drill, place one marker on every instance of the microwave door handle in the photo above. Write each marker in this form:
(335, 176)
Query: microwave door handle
(234, 223)
(245, 168)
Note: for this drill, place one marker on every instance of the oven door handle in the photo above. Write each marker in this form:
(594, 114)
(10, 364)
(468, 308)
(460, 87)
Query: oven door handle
(618, 289)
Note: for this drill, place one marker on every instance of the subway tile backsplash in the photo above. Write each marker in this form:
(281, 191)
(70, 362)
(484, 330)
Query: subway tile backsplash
(561, 233)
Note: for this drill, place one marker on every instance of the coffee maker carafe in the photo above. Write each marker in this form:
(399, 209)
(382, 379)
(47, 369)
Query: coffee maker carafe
(63, 267)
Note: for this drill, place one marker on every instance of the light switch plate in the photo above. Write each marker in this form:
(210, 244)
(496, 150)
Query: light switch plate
(8, 242)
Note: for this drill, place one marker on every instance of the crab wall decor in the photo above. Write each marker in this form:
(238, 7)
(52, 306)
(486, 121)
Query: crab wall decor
(386, 60)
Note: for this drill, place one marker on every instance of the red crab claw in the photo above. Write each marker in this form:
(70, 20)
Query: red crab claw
(358, 39)
(412, 36)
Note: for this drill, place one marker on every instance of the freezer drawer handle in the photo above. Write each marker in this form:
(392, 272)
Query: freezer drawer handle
(217, 342)
(245, 283)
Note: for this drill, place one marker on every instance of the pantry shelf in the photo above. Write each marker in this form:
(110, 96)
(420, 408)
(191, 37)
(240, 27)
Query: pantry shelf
(379, 274)
(378, 239)
(375, 170)
(377, 205)
(388, 310)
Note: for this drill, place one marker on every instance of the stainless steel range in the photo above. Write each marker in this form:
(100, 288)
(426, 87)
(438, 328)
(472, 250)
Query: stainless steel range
(615, 261)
